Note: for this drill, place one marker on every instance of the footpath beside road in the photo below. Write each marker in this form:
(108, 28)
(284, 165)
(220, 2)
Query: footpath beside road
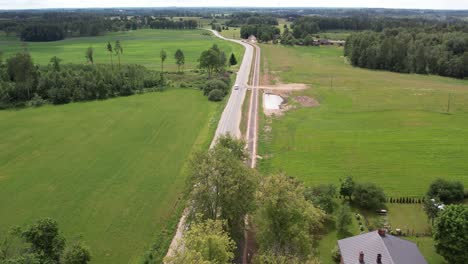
(229, 122)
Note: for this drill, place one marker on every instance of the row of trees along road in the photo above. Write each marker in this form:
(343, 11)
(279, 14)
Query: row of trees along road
(224, 191)
(40, 243)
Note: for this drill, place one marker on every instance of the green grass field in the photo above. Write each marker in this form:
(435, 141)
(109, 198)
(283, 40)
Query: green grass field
(140, 47)
(388, 128)
(110, 171)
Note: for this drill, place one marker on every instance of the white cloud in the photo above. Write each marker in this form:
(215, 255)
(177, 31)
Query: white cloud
(424, 4)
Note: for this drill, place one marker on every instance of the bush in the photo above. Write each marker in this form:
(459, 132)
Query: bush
(447, 191)
(336, 255)
(216, 95)
(60, 95)
(36, 101)
(215, 85)
(368, 196)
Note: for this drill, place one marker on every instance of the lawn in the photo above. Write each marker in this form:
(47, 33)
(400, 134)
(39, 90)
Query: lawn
(139, 47)
(111, 172)
(387, 128)
(407, 217)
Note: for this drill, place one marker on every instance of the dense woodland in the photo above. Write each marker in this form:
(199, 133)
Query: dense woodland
(410, 51)
(59, 25)
(247, 18)
(313, 24)
(263, 26)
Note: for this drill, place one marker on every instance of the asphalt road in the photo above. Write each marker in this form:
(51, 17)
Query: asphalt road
(230, 119)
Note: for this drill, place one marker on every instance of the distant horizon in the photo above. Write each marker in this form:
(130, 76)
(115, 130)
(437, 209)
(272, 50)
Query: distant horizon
(234, 7)
(442, 5)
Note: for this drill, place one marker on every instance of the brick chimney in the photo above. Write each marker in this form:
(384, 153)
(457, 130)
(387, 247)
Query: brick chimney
(381, 232)
(361, 257)
(379, 258)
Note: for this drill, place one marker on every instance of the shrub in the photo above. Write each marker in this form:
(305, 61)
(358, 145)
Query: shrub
(336, 255)
(447, 191)
(368, 196)
(215, 85)
(215, 95)
(36, 101)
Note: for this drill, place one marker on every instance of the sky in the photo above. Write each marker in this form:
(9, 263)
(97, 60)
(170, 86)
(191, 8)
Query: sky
(417, 4)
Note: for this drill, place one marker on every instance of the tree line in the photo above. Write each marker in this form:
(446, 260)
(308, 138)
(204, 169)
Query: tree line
(410, 51)
(53, 26)
(24, 83)
(40, 243)
(248, 18)
(262, 32)
(225, 191)
(57, 26)
(312, 24)
(164, 23)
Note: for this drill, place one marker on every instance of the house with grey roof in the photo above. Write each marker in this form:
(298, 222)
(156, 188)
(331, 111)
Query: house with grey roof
(380, 248)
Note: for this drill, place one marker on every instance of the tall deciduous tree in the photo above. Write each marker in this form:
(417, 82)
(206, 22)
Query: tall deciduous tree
(347, 187)
(21, 69)
(90, 55)
(286, 222)
(343, 218)
(205, 242)
(45, 239)
(451, 234)
(368, 196)
(446, 191)
(224, 188)
(431, 207)
(110, 50)
(76, 254)
(163, 56)
(55, 63)
(118, 50)
(180, 58)
(322, 196)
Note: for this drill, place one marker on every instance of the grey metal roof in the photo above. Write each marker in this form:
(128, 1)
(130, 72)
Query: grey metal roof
(394, 250)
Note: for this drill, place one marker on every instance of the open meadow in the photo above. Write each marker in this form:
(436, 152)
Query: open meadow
(109, 171)
(112, 172)
(387, 128)
(139, 47)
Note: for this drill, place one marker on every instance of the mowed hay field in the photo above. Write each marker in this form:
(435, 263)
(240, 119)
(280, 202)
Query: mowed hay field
(111, 172)
(139, 47)
(388, 128)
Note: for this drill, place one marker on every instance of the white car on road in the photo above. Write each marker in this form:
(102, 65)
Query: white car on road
(236, 87)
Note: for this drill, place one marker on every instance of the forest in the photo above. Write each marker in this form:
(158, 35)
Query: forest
(53, 26)
(410, 51)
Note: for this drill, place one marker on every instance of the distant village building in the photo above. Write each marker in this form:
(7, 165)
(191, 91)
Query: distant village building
(252, 38)
(380, 248)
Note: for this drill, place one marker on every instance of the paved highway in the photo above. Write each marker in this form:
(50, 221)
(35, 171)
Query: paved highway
(230, 119)
(232, 114)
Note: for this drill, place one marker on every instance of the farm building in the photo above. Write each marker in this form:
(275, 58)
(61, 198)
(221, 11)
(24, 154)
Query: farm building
(380, 248)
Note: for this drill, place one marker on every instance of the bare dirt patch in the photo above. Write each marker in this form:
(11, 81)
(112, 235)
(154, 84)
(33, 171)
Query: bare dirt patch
(307, 101)
(284, 87)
